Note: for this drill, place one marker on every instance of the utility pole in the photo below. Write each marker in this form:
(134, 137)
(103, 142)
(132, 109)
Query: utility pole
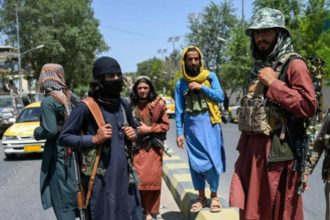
(20, 85)
(242, 11)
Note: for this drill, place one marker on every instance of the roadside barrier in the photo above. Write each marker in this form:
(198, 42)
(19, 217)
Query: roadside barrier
(177, 178)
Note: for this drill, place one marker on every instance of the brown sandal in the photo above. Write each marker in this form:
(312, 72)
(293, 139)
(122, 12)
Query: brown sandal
(215, 205)
(198, 205)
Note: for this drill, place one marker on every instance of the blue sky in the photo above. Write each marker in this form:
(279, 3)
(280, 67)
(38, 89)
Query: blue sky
(136, 29)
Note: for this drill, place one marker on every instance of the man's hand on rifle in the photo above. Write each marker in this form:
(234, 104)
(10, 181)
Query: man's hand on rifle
(180, 141)
(129, 133)
(103, 133)
(143, 129)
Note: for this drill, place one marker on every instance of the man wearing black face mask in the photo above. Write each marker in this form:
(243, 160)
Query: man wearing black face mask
(197, 97)
(114, 196)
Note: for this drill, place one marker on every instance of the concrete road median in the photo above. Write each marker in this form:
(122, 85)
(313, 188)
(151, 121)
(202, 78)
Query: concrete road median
(177, 177)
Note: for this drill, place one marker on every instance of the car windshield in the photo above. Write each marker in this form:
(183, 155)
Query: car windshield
(29, 114)
(6, 102)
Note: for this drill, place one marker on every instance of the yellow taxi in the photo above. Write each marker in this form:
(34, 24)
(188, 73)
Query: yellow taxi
(18, 138)
(170, 106)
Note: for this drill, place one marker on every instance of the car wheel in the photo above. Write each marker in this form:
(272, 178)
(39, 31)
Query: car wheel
(230, 119)
(10, 156)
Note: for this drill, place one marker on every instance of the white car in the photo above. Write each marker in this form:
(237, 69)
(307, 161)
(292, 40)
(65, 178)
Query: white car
(18, 138)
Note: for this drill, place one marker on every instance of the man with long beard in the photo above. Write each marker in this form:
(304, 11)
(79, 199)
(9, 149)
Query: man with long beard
(265, 181)
(197, 97)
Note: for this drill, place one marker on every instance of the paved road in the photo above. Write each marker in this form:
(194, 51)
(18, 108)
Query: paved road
(19, 185)
(20, 198)
(314, 201)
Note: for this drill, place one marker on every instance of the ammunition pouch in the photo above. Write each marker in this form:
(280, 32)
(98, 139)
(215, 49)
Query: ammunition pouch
(195, 102)
(252, 116)
(280, 149)
(88, 157)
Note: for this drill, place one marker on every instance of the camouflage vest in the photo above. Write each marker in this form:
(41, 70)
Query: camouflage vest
(257, 115)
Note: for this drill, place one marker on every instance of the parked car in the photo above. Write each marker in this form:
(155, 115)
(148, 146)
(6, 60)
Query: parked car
(18, 138)
(233, 114)
(170, 106)
(10, 107)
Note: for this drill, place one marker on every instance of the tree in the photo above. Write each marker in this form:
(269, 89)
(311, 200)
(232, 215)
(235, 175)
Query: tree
(312, 35)
(154, 69)
(211, 31)
(67, 28)
(236, 70)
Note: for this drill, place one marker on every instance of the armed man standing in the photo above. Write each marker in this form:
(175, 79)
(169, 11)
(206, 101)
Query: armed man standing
(113, 195)
(150, 111)
(57, 171)
(280, 97)
(197, 97)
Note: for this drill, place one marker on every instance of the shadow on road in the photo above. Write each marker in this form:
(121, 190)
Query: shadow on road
(172, 216)
(25, 157)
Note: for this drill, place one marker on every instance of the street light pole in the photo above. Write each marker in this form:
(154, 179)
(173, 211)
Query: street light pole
(19, 54)
(162, 51)
(35, 48)
(20, 85)
(173, 40)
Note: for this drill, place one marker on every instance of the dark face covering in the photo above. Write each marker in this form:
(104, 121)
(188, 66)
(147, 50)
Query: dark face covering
(111, 88)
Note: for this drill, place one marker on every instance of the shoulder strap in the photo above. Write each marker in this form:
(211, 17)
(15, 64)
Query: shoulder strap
(282, 64)
(95, 110)
(156, 108)
(97, 114)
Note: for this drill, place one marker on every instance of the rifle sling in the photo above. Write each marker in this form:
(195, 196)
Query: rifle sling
(98, 116)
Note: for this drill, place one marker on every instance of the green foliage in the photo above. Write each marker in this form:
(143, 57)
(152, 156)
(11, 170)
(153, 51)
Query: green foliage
(67, 28)
(236, 70)
(81, 90)
(207, 32)
(154, 69)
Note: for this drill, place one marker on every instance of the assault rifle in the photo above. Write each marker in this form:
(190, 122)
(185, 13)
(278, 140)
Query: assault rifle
(304, 147)
(153, 141)
(79, 188)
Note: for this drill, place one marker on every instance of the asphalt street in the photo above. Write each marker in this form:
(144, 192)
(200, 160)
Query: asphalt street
(314, 200)
(19, 184)
(20, 197)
